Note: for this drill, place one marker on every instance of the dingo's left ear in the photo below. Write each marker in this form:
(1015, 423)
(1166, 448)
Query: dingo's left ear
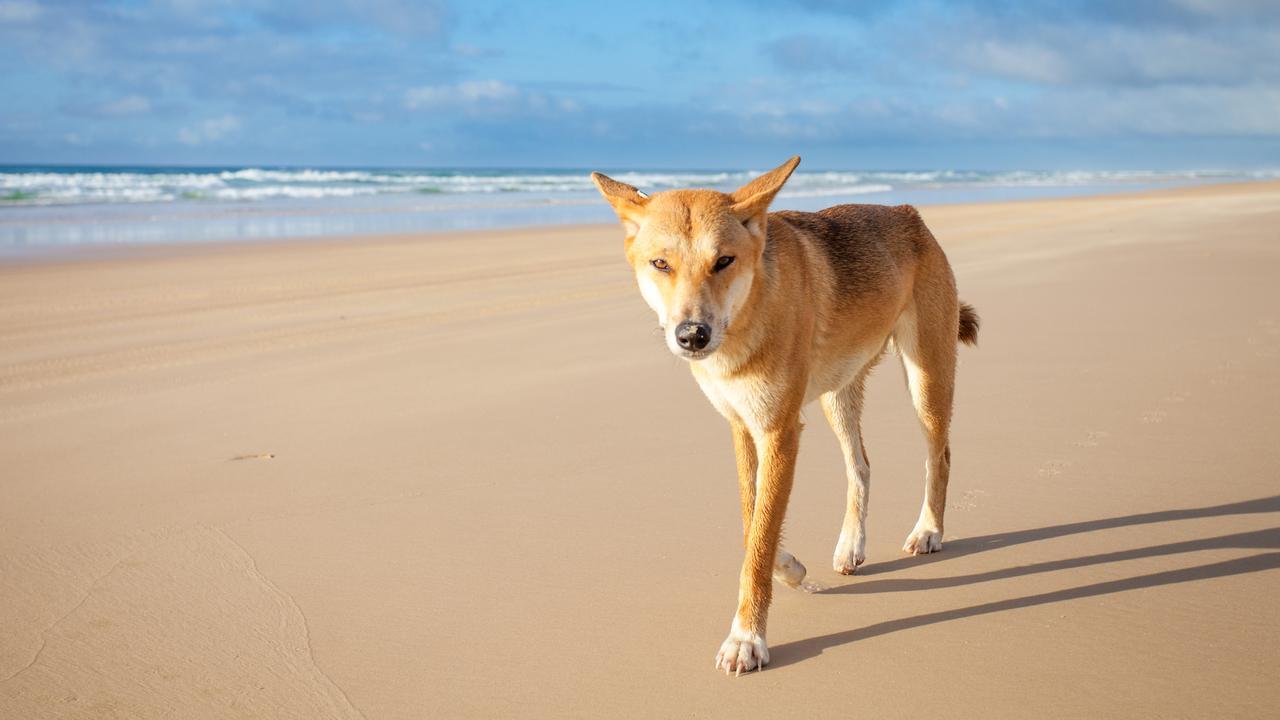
(627, 201)
(752, 200)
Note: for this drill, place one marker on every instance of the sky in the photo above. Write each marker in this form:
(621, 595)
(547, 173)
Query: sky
(1036, 84)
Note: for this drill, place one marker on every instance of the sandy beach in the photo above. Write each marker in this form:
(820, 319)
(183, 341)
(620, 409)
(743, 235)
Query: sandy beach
(458, 475)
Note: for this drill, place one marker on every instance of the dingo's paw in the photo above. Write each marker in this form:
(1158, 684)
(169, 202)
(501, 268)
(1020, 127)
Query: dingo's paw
(742, 651)
(849, 555)
(847, 564)
(788, 570)
(923, 540)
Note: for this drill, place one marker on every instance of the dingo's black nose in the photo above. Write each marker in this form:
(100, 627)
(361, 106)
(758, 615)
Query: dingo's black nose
(693, 335)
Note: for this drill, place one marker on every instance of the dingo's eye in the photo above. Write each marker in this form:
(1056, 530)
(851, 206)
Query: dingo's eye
(661, 265)
(723, 262)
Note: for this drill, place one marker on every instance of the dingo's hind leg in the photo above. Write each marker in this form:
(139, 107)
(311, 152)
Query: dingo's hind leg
(843, 409)
(926, 339)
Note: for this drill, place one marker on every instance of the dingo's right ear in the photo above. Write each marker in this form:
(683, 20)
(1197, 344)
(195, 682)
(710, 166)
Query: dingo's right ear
(627, 201)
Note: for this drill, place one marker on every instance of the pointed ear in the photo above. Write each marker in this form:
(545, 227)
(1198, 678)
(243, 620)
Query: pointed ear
(627, 201)
(752, 200)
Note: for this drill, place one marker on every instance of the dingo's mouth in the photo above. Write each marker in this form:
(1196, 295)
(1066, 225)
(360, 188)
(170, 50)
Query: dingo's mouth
(694, 355)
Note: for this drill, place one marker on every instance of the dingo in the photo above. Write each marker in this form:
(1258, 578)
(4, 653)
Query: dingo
(776, 309)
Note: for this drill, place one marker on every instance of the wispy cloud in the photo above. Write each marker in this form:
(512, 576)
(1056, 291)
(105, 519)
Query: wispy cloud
(469, 94)
(1044, 69)
(18, 11)
(210, 130)
(486, 98)
(1086, 54)
(127, 105)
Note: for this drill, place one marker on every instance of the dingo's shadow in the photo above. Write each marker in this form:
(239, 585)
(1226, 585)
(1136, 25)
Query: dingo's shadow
(970, 546)
(1267, 539)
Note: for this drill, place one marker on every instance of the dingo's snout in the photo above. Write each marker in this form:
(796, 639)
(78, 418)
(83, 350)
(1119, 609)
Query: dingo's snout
(693, 336)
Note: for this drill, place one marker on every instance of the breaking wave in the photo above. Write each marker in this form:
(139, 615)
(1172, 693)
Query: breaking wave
(73, 186)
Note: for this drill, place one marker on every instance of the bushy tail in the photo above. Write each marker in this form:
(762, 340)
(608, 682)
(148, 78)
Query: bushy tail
(969, 322)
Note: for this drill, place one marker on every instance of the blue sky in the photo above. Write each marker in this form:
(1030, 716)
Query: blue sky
(692, 84)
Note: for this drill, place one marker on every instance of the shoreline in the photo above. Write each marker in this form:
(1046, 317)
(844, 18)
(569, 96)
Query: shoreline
(82, 252)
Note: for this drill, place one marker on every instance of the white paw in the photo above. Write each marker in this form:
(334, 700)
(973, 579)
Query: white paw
(849, 555)
(742, 651)
(788, 570)
(923, 540)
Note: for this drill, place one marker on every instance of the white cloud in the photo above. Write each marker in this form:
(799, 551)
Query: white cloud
(127, 105)
(1229, 8)
(16, 11)
(470, 92)
(1125, 56)
(1178, 68)
(488, 99)
(1020, 60)
(210, 130)
(1158, 111)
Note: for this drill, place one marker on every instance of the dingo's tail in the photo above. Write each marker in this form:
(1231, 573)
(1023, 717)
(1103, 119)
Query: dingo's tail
(968, 324)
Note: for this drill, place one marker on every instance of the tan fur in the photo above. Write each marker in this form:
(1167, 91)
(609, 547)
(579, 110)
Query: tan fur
(805, 309)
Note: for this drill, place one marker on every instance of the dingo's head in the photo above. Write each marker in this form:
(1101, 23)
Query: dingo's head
(695, 253)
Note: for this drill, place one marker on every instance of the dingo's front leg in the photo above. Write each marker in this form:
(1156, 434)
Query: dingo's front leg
(787, 569)
(745, 648)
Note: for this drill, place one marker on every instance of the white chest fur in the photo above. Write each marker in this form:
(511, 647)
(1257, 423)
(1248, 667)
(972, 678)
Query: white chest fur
(749, 400)
(756, 401)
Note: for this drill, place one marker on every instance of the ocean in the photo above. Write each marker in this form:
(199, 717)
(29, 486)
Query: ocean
(45, 207)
